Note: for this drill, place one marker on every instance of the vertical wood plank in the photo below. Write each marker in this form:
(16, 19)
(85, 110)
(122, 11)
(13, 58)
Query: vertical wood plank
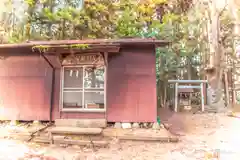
(176, 97)
(202, 97)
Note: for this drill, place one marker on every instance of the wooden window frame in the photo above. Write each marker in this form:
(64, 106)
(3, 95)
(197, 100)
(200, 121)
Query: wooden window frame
(84, 109)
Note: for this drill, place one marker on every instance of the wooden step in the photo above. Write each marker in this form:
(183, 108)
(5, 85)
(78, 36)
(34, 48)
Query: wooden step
(82, 123)
(149, 138)
(81, 142)
(75, 130)
(99, 143)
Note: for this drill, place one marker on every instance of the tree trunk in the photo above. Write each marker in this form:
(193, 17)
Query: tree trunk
(236, 30)
(49, 33)
(189, 77)
(214, 70)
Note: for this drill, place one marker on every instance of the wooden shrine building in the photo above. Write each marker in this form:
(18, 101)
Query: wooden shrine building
(79, 79)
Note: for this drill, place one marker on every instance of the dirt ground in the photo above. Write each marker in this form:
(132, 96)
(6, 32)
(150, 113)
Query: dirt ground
(201, 134)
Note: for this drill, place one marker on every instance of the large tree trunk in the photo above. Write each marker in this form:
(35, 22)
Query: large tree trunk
(234, 6)
(214, 70)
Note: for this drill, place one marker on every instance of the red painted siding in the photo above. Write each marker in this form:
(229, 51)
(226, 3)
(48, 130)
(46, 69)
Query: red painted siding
(26, 80)
(25, 83)
(81, 115)
(131, 88)
(55, 111)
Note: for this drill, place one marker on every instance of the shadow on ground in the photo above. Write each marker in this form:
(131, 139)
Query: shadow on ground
(174, 122)
(181, 123)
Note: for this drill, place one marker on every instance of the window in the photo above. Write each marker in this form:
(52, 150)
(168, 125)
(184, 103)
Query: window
(83, 88)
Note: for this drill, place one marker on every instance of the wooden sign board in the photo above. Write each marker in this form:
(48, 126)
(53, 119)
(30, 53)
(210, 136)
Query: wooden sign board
(83, 59)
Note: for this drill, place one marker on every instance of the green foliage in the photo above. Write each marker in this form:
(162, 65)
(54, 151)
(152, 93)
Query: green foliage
(174, 20)
(64, 19)
(178, 21)
(30, 3)
(41, 48)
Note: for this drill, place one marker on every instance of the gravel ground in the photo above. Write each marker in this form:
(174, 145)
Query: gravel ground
(203, 133)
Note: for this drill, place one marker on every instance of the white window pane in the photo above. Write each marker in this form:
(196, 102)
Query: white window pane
(73, 77)
(94, 99)
(72, 100)
(94, 77)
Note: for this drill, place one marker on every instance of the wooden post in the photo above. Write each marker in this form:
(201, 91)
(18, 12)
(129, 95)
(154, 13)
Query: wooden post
(226, 88)
(105, 82)
(202, 97)
(176, 97)
(51, 137)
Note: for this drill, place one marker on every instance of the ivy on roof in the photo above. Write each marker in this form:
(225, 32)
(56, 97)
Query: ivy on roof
(45, 48)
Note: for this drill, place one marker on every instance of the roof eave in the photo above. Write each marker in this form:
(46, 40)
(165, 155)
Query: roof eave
(90, 42)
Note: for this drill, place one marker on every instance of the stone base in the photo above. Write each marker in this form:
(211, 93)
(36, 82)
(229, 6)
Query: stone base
(156, 126)
(14, 122)
(216, 107)
(135, 125)
(126, 125)
(117, 125)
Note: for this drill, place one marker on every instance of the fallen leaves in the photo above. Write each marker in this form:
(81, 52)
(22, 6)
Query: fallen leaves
(205, 133)
(38, 157)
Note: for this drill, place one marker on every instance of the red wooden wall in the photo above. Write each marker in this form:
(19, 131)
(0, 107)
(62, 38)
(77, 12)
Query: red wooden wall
(131, 89)
(25, 83)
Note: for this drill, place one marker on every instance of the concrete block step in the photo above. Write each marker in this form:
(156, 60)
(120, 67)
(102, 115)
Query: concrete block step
(75, 130)
(81, 123)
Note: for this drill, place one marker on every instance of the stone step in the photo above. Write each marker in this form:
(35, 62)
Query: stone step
(210, 109)
(75, 130)
(81, 123)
